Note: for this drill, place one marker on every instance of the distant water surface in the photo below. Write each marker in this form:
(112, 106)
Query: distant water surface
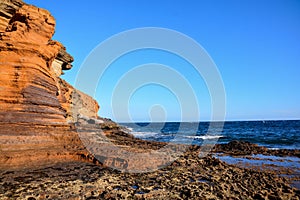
(272, 134)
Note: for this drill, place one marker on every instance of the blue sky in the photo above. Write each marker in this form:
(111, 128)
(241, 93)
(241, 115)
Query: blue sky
(254, 43)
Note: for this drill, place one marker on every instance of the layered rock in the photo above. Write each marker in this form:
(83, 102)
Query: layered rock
(62, 62)
(76, 103)
(39, 110)
(7, 10)
(36, 105)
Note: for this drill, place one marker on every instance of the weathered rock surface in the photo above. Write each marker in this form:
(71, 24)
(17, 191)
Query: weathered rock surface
(37, 111)
(7, 10)
(187, 178)
(35, 103)
(237, 148)
(76, 103)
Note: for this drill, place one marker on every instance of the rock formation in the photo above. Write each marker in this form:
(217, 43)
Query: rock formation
(38, 109)
(36, 105)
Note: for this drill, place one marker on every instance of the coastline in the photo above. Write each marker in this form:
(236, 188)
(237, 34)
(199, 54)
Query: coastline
(188, 177)
(53, 144)
(279, 134)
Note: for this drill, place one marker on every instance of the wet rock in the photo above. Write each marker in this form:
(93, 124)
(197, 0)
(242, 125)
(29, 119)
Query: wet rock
(247, 148)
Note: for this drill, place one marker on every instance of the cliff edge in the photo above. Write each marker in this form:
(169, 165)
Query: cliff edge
(37, 107)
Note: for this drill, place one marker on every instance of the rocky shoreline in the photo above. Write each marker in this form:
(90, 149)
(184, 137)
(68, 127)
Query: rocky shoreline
(53, 145)
(238, 148)
(188, 177)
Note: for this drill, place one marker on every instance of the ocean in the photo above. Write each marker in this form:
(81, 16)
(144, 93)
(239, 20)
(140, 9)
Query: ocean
(279, 134)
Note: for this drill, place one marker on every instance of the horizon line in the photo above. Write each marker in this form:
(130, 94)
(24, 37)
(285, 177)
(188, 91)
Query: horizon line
(239, 120)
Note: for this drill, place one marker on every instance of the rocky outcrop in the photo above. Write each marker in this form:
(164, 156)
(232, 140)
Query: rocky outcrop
(76, 103)
(62, 62)
(7, 10)
(36, 105)
(187, 178)
(239, 148)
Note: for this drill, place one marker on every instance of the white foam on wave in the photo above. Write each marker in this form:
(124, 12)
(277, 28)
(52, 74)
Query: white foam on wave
(143, 134)
(205, 137)
(126, 129)
(273, 148)
(129, 128)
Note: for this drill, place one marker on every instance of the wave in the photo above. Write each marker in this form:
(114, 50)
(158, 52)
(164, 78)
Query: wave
(144, 134)
(206, 137)
(273, 148)
(155, 135)
(129, 129)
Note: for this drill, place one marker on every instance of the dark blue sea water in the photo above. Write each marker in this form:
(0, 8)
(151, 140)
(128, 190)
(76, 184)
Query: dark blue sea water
(271, 134)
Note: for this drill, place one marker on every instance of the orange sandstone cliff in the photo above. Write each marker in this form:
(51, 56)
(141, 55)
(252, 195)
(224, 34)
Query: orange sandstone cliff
(36, 105)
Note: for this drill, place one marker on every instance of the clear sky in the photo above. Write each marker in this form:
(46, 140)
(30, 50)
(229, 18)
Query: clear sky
(254, 43)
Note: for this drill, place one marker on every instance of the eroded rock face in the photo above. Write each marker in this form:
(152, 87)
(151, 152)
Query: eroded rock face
(62, 62)
(7, 10)
(76, 103)
(36, 105)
